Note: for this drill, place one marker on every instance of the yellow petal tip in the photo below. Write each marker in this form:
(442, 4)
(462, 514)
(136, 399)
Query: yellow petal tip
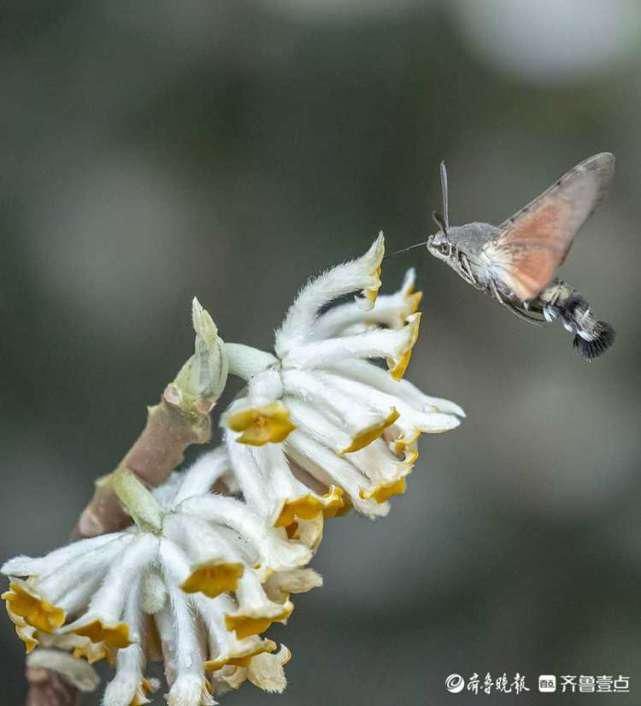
(240, 659)
(247, 625)
(384, 491)
(371, 433)
(414, 301)
(399, 366)
(93, 652)
(374, 257)
(24, 602)
(308, 507)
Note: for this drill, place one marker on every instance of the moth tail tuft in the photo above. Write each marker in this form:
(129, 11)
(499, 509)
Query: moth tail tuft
(604, 336)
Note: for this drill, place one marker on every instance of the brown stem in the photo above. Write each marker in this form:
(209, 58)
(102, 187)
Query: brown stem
(172, 425)
(154, 455)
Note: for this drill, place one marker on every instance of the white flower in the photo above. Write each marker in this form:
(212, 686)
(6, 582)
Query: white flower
(320, 428)
(201, 571)
(264, 670)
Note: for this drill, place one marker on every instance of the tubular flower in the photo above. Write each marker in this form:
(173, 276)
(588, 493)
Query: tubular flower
(195, 580)
(319, 427)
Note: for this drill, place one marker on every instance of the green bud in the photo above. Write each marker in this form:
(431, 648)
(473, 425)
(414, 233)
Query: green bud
(204, 375)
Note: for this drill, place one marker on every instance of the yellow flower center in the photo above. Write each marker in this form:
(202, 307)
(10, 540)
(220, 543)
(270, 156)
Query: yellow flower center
(112, 635)
(261, 425)
(212, 579)
(307, 507)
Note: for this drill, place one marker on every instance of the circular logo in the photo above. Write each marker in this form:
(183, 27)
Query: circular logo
(455, 683)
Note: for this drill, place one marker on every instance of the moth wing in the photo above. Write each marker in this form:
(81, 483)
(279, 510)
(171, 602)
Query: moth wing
(535, 240)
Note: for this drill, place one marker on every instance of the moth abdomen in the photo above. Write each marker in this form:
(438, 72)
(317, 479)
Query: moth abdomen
(601, 338)
(592, 337)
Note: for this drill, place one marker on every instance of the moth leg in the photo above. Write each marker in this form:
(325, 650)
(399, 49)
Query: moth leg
(528, 318)
(495, 293)
(510, 307)
(466, 264)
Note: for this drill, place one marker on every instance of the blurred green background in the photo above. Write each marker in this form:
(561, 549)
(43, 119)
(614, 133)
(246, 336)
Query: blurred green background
(152, 151)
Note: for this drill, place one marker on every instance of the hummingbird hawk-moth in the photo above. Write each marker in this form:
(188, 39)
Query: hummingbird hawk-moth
(516, 262)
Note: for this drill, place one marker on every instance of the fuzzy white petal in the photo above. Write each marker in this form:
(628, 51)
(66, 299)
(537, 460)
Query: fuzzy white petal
(201, 475)
(370, 374)
(28, 566)
(274, 551)
(330, 469)
(359, 274)
(378, 343)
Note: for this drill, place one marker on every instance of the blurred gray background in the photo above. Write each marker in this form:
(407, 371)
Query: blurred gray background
(151, 151)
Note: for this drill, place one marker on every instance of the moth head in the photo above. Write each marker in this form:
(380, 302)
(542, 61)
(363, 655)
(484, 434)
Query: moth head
(439, 244)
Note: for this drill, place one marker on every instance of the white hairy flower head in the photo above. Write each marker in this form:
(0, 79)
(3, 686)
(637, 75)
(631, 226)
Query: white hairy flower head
(320, 427)
(197, 578)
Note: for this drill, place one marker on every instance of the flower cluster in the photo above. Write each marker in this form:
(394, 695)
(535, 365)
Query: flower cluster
(343, 431)
(195, 581)
(216, 552)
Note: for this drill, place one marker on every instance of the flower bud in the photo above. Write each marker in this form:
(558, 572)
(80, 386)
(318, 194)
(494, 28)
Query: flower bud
(204, 375)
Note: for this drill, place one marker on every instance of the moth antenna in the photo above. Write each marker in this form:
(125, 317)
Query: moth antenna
(446, 216)
(440, 221)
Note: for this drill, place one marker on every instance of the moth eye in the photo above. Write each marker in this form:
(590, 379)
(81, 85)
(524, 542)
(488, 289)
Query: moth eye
(444, 248)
